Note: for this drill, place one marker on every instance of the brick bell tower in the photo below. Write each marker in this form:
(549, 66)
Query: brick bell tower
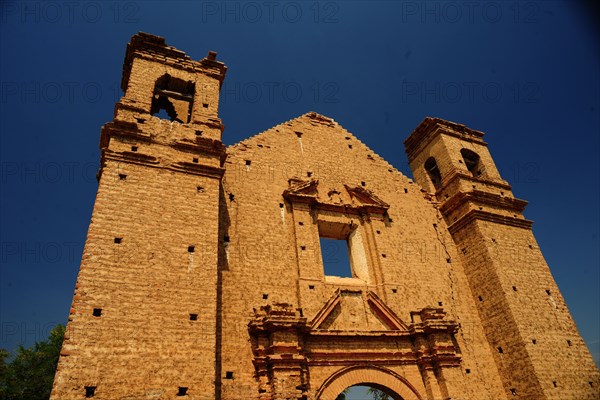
(537, 346)
(144, 315)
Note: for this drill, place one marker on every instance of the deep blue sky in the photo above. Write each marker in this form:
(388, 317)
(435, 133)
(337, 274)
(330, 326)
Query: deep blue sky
(526, 73)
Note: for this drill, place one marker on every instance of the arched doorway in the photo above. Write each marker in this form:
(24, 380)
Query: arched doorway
(381, 378)
(367, 392)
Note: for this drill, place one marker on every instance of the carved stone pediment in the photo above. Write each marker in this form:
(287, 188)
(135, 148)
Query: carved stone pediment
(286, 345)
(349, 199)
(366, 199)
(357, 311)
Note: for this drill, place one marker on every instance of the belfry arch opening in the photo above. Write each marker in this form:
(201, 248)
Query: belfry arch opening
(434, 172)
(173, 97)
(472, 162)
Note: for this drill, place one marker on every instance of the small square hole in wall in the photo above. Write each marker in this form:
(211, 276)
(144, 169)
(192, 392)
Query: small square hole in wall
(468, 371)
(205, 105)
(122, 177)
(500, 350)
(569, 343)
(97, 312)
(191, 249)
(299, 134)
(198, 133)
(554, 384)
(533, 341)
(140, 120)
(448, 260)
(394, 290)
(302, 247)
(90, 391)
(530, 246)
(378, 232)
(480, 298)
(548, 292)
(229, 375)
(248, 162)
(591, 384)
(349, 146)
(405, 190)
(195, 160)
(440, 303)
(182, 391)
(280, 205)
(193, 317)
(200, 189)
(231, 197)
(118, 240)
(226, 239)
(301, 223)
(134, 148)
(363, 183)
(309, 174)
(311, 287)
(514, 288)
(513, 391)
(383, 255)
(265, 296)
(347, 138)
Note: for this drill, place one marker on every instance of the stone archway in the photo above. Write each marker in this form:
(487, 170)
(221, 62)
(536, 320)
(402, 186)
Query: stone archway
(367, 375)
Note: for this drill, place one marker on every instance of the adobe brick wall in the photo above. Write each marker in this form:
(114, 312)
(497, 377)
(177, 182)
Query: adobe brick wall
(232, 236)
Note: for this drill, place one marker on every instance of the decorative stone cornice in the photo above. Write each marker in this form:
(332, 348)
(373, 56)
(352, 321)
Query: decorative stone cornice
(432, 127)
(481, 197)
(490, 217)
(145, 45)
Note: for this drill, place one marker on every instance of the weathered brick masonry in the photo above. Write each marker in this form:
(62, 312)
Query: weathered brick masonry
(202, 274)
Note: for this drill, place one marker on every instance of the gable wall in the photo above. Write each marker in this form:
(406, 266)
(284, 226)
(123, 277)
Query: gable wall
(265, 255)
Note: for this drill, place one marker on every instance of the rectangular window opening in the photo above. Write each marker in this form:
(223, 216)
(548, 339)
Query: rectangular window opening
(335, 256)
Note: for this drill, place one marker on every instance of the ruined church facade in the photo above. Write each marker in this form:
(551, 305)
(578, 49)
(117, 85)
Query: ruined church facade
(202, 275)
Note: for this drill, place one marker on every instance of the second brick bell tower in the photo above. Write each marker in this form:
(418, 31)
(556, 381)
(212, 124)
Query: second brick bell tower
(537, 347)
(144, 314)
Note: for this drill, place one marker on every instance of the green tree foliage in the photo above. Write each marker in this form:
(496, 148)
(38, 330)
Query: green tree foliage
(378, 394)
(30, 374)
